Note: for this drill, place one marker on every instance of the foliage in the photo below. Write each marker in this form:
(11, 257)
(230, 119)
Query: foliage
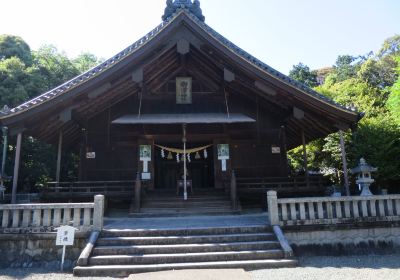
(377, 139)
(391, 46)
(14, 46)
(86, 61)
(25, 74)
(393, 102)
(14, 80)
(372, 85)
(302, 73)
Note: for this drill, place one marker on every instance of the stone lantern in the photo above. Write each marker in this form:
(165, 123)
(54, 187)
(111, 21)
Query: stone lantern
(364, 179)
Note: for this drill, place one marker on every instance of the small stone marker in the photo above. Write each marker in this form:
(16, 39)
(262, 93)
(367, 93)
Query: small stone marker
(65, 237)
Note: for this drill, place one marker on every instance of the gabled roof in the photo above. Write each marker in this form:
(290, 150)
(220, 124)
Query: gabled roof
(103, 67)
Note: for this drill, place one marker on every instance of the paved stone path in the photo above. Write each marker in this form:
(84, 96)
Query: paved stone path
(186, 222)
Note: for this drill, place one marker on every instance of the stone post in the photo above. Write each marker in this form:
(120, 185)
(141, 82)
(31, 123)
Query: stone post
(272, 200)
(98, 212)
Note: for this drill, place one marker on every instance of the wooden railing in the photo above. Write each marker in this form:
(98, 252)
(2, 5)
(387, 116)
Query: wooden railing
(280, 184)
(332, 210)
(45, 217)
(90, 187)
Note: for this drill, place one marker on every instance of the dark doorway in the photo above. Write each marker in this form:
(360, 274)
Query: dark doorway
(169, 171)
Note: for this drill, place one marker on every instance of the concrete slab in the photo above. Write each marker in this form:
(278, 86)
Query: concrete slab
(186, 222)
(194, 274)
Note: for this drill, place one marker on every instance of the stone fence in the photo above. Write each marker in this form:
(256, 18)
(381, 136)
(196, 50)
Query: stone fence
(45, 217)
(332, 210)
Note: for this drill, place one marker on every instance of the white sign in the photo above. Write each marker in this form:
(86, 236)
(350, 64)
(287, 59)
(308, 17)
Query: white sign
(145, 152)
(223, 151)
(276, 150)
(183, 90)
(65, 236)
(146, 176)
(91, 155)
(223, 162)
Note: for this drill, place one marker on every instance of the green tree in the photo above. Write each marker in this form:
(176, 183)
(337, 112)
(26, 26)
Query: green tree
(14, 46)
(13, 81)
(86, 61)
(393, 102)
(302, 73)
(391, 46)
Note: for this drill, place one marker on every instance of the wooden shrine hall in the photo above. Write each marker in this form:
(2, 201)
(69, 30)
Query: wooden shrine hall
(182, 111)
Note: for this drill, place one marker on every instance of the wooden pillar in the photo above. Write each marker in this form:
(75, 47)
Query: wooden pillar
(58, 169)
(16, 169)
(234, 199)
(184, 163)
(305, 163)
(138, 193)
(5, 148)
(344, 163)
(285, 167)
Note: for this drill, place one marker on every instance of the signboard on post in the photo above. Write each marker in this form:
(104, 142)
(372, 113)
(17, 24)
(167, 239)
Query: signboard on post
(223, 154)
(145, 157)
(65, 237)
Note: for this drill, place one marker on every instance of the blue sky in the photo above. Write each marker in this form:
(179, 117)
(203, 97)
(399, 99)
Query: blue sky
(279, 32)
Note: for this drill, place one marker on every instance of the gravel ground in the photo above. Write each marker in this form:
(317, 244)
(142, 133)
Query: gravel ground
(374, 267)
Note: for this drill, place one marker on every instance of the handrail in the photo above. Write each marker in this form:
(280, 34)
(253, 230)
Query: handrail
(332, 210)
(45, 217)
(91, 182)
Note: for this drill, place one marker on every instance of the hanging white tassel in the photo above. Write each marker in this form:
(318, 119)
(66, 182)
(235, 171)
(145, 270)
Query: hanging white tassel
(177, 158)
(205, 153)
(162, 153)
(188, 157)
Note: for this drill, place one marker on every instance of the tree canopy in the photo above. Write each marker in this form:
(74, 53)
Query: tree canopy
(25, 74)
(371, 84)
(302, 73)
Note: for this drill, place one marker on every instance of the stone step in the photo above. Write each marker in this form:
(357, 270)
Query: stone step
(185, 257)
(149, 214)
(126, 270)
(192, 207)
(161, 240)
(185, 248)
(187, 203)
(186, 231)
(173, 209)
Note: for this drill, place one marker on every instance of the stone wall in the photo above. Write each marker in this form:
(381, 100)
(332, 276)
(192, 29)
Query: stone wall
(343, 240)
(38, 250)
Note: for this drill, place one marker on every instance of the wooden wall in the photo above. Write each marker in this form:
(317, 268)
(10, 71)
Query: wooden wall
(116, 146)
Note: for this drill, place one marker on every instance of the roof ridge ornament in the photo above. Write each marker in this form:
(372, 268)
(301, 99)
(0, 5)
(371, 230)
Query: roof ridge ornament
(174, 5)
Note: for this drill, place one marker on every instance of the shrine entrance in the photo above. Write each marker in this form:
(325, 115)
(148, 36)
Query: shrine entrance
(169, 170)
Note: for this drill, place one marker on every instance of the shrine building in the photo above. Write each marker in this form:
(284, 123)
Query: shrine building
(181, 112)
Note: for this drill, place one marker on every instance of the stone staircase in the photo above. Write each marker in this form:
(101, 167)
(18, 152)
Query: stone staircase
(206, 202)
(123, 252)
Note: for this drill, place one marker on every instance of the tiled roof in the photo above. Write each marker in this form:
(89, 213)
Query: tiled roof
(65, 87)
